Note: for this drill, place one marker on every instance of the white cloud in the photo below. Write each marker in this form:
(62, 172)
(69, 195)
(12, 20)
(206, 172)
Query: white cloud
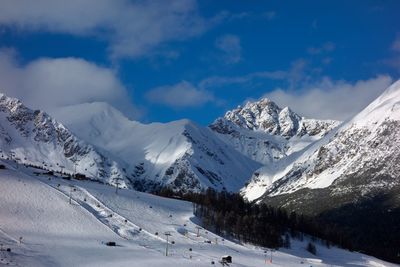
(300, 72)
(229, 44)
(51, 83)
(180, 95)
(133, 28)
(330, 99)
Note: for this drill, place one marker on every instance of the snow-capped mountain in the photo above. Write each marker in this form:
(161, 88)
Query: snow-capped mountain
(274, 148)
(267, 133)
(178, 154)
(360, 157)
(103, 144)
(33, 137)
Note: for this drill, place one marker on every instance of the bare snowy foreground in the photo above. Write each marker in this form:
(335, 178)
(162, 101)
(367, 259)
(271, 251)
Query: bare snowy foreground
(57, 233)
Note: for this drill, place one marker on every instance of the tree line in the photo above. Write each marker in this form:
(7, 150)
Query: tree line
(228, 214)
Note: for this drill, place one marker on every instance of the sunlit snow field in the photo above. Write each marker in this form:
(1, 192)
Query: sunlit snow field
(57, 233)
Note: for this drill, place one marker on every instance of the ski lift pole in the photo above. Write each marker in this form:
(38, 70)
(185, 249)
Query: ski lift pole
(117, 184)
(75, 169)
(62, 169)
(270, 260)
(198, 230)
(167, 234)
(70, 194)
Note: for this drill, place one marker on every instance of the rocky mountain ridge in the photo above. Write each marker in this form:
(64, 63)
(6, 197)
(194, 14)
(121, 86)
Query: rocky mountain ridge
(267, 133)
(361, 155)
(33, 137)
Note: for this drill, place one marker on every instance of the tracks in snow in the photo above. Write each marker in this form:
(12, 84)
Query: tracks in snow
(114, 221)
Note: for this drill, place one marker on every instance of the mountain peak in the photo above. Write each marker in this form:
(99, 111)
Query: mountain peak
(359, 158)
(264, 104)
(35, 138)
(9, 102)
(84, 112)
(257, 115)
(266, 116)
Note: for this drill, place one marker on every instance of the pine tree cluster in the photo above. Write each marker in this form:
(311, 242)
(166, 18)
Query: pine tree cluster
(228, 214)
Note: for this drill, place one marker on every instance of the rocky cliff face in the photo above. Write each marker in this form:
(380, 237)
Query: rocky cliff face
(33, 137)
(267, 133)
(266, 116)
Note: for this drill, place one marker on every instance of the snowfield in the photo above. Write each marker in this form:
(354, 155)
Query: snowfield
(67, 222)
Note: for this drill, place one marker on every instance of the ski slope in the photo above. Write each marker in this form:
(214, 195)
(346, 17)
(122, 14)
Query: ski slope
(57, 233)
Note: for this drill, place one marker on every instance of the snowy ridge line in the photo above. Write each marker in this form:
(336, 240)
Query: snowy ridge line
(178, 154)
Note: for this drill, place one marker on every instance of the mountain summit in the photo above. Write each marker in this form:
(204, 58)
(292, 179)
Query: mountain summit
(358, 158)
(266, 116)
(179, 154)
(267, 133)
(33, 137)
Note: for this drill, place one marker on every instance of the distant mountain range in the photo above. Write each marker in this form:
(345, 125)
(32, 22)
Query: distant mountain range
(346, 173)
(260, 149)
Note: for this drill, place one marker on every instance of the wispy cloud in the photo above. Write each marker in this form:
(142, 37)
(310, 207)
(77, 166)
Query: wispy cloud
(180, 95)
(187, 95)
(230, 46)
(303, 89)
(309, 93)
(133, 28)
(299, 72)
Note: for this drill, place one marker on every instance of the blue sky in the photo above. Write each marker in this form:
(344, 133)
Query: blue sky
(162, 61)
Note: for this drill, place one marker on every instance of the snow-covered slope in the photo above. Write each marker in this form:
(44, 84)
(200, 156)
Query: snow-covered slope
(55, 233)
(267, 133)
(179, 154)
(362, 155)
(33, 137)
